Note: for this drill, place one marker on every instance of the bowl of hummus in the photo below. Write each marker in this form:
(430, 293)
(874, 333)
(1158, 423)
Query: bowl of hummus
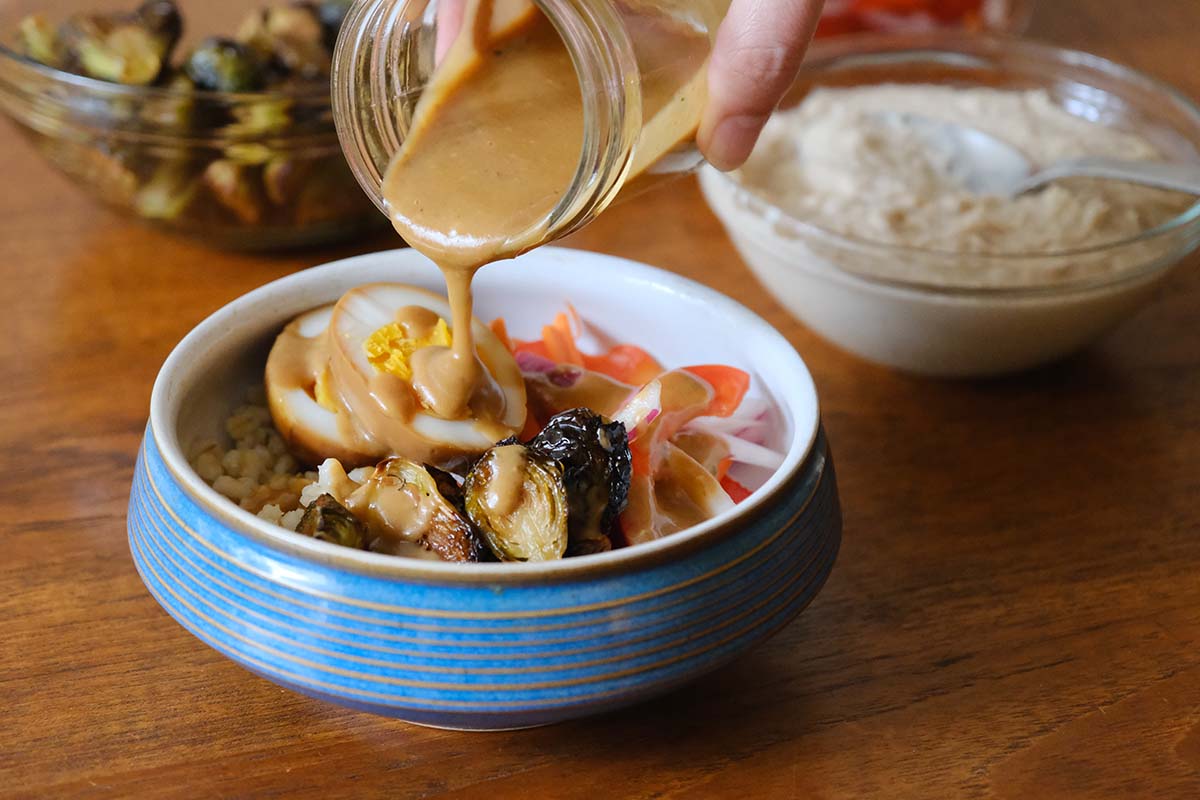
(872, 240)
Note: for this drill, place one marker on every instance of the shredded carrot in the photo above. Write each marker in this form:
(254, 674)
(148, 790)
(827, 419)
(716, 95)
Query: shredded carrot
(626, 363)
(640, 460)
(560, 341)
(723, 467)
(729, 384)
(576, 321)
(737, 493)
(501, 331)
(533, 348)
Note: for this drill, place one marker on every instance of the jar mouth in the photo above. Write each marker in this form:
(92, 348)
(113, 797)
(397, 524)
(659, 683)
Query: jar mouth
(385, 56)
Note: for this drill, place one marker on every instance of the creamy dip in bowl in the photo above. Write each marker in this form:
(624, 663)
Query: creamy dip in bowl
(862, 233)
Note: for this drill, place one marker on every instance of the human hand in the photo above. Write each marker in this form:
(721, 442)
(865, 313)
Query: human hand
(758, 52)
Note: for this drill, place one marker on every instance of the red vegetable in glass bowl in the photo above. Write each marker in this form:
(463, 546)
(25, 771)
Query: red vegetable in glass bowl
(915, 16)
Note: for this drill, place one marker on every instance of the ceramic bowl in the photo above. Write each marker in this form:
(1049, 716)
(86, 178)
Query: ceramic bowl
(484, 646)
(863, 296)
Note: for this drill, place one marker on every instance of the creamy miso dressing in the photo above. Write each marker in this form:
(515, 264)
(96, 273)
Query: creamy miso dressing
(505, 490)
(495, 143)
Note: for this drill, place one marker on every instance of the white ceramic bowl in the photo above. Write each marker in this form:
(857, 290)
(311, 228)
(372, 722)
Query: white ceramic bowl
(832, 284)
(484, 646)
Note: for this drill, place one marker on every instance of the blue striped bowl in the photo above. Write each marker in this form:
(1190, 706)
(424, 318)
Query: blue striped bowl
(484, 646)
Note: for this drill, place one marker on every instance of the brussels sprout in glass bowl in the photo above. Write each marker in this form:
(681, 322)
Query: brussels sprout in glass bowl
(210, 119)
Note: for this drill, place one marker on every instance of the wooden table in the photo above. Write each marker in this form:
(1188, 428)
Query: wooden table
(1015, 612)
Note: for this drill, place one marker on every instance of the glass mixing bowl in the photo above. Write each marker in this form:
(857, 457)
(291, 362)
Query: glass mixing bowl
(257, 170)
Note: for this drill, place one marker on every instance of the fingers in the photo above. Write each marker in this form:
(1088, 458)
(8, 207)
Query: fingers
(755, 60)
(450, 15)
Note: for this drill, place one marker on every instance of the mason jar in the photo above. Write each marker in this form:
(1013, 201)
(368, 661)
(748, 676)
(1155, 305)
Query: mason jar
(641, 70)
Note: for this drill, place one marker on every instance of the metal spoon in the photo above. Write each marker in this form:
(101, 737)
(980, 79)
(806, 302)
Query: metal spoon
(987, 165)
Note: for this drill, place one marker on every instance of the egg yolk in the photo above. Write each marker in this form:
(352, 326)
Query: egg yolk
(390, 348)
(323, 391)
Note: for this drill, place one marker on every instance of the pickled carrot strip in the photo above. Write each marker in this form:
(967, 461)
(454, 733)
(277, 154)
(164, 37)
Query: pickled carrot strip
(499, 328)
(737, 493)
(723, 467)
(626, 363)
(560, 345)
(729, 384)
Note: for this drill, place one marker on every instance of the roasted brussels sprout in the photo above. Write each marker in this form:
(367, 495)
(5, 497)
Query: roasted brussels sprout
(171, 190)
(283, 177)
(291, 38)
(38, 39)
(403, 501)
(329, 193)
(328, 520)
(223, 65)
(595, 461)
(133, 49)
(236, 187)
(517, 500)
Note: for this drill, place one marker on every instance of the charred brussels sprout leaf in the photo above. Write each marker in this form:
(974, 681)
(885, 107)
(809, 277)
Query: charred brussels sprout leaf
(328, 520)
(419, 499)
(223, 65)
(595, 461)
(448, 488)
(517, 500)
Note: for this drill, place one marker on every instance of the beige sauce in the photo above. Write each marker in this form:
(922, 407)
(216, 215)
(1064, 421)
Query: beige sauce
(600, 393)
(507, 487)
(296, 359)
(400, 510)
(450, 381)
(685, 493)
(494, 143)
(300, 362)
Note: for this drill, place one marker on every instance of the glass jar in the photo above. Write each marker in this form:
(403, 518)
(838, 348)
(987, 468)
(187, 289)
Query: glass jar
(922, 16)
(641, 70)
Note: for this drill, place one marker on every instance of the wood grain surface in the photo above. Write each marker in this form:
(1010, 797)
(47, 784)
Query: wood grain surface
(1015, 612)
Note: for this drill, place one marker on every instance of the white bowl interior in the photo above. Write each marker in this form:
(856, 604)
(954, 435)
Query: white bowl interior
(677, 320)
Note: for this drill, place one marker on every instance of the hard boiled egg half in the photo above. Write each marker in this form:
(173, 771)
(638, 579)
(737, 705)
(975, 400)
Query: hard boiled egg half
(339, 382)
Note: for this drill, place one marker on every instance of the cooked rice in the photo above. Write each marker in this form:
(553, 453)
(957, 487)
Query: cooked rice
(257, 472)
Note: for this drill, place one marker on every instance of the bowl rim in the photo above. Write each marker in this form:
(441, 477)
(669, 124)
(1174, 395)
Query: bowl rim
(828, 52)
(805, 446)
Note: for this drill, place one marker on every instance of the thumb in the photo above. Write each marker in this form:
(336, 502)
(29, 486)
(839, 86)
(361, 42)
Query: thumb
(755, 59)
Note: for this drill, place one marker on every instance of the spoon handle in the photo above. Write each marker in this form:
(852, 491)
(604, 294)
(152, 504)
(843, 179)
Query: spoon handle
(1179, 177)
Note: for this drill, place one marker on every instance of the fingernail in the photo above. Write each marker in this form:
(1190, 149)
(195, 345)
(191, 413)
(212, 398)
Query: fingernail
(733, 140)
